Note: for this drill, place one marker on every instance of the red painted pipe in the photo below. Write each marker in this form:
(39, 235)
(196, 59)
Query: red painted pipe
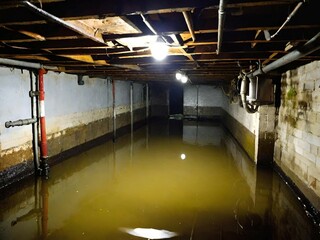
(43, 142)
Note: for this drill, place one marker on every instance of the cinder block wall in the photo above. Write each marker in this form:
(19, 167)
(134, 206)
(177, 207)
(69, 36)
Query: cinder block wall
(297, 148)
(75, 115)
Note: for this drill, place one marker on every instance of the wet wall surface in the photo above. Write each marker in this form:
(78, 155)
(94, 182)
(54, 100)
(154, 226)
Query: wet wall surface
(171, 179)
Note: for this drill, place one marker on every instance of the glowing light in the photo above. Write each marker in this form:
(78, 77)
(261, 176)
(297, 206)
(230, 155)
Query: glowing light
(183, 156)
(184, 79)
(159, 50)
(149, 233)
(178, 75)
(182, 76)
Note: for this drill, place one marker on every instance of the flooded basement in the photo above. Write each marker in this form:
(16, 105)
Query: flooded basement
(172, 179)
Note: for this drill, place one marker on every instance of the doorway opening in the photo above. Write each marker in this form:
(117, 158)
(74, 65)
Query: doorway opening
(176, 100)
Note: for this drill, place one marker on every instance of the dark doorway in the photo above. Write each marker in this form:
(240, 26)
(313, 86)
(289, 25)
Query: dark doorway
(176, 99)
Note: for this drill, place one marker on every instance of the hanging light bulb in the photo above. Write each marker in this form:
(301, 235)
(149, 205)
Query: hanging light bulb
(184, 79)
(178, 76)
(159, 49)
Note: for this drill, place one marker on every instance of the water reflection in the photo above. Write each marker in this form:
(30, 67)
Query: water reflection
(141, 184)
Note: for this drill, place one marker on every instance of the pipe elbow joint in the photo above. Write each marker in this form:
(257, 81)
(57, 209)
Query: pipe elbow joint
(8, 124)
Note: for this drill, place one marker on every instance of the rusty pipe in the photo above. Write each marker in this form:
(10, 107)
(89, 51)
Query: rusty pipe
(44, 168)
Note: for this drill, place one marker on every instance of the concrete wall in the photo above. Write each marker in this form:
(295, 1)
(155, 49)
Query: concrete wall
(202, 101)
(297, 148)
(75, 115)
(210, 102)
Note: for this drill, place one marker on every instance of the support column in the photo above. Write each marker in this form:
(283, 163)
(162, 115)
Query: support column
(265, 135)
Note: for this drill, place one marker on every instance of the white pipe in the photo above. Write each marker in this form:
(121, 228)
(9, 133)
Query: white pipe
(148, 25)
(243, 92)
(286, 21)
(252, 90)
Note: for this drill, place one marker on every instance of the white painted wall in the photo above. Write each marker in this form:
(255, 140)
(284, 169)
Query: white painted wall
(14, 104)
(67, 104)
(208, 96)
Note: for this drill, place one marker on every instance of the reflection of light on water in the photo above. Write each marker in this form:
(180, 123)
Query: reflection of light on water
(183, 156)
(149, 233)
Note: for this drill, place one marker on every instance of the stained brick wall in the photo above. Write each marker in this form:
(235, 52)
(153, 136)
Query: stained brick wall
(297, 148)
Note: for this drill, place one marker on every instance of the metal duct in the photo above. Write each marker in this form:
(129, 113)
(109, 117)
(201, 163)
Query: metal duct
(309, 47)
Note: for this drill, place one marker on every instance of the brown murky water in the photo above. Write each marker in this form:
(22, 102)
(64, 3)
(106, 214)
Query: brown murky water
(179, 180)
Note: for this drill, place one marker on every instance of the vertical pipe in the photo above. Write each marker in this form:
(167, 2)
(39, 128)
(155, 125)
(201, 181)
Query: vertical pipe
(168, 101)
(34, 115)
(221, 20)
(147, 101)
(43, 144)
(197, 106)
(114, 110)
(252, 89)
(131, 106)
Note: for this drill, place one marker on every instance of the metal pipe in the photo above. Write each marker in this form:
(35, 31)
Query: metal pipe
(20, 122)
(252, 90)
(114, 111)
(43, 142)
(131, 106)
(197, 102)
(148, 25)
(147, 101)
(309, 47)
(189, 23)
(243, 93)
(286, 21)
(34, 114)
(57, 20)
(10, 62)
(221, 20)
